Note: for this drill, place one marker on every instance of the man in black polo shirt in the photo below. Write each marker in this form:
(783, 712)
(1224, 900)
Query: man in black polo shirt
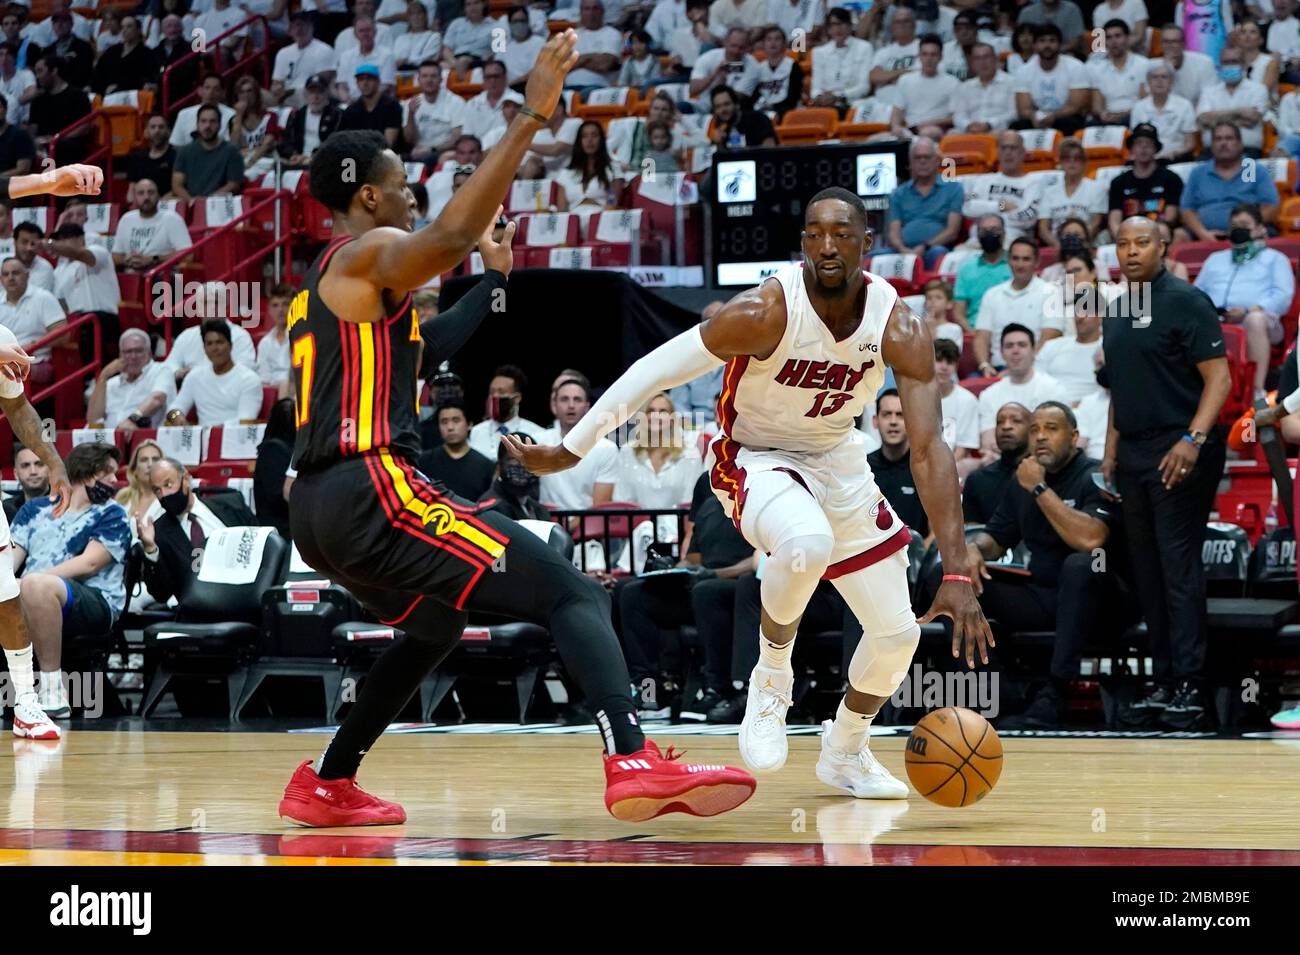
(1054, 507)
(373, 109)
(891, 463)
(453, 462)
(156, 160)
(1148, 189)
(17, 151)
(56, 107)
(983, 489)
(1168, 379)
(735, 128)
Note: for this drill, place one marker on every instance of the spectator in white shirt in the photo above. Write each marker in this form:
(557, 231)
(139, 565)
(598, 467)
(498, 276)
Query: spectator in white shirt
(30, 313)
(18, 87)
(364, 10)
(435, 118)
(483, 113)
(1173, 116)
(273, 364)
(1024, 300)
(667, 17)
(219, 18)
(1288, 126)
(1010, 192)
(1193, 71)
(1234, 99)
(747, 15)
(959, 408)
(895, 60)
(219, 392)
(301, 59)
(522, 48)
(469, 37)
(211, 93)
(505, 395)
(732, 66)
(1119, 78)
(1070, 195)
(590, 482)
(986, 102)
(1284, 40)
(1052, 91)
(1021, 383)
(28, 240)
(416, 43)
(133, 389)
(1072, 360)
(841, 68)
(957, 51)
(188, 352)
(1259, 66)
(796, 18)
(599, 49)
(1133, 13)
(926, 96)
(688, 42)
(85, 281)
(368, 52)
(658, 467)
(146, 235)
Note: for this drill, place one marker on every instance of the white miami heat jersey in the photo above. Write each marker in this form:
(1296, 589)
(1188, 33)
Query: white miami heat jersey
(805, 396)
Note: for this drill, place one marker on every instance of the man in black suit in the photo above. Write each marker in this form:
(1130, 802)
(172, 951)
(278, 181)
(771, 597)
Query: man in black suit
(33, 480)
(984, 487)
(75, 54)
(173, 544)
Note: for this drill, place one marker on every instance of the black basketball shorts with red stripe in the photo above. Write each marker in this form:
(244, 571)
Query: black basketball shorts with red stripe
(377, 526)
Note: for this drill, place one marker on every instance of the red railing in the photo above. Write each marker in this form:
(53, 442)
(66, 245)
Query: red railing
(162, 272)
(102, 156)
(69, 380)
(213, 47)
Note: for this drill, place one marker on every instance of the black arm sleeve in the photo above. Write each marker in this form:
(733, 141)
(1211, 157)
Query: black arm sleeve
(444, 335)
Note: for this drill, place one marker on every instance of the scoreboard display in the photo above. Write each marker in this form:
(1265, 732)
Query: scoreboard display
(758, 198)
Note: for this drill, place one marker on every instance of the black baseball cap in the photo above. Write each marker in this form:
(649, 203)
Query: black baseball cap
(316, 82)
(1144, 131)
(968, 17)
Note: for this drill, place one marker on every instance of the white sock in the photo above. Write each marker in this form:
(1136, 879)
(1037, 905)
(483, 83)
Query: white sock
(774, 657)
(850, 730)
(20, 671)
(52, 684)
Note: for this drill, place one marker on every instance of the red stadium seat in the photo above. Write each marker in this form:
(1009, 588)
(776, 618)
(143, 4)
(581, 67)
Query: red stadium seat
(1242, 369)
(532, 195)
(669, 196)
(1194, 254)
(976, 385)
(614, 235)
(904, 272)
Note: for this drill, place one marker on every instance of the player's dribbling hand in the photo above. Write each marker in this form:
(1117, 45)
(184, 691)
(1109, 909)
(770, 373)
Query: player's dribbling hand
(75, 179)
(969, 628)
(546, 78)
(60, 491)
(497, 256)
(540, 459)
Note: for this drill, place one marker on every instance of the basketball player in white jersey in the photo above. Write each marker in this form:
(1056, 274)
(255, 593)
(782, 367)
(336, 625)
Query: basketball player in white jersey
(29, 719)
(805, 352)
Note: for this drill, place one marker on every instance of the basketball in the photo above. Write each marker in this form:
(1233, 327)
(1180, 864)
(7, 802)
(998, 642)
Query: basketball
(954, 757)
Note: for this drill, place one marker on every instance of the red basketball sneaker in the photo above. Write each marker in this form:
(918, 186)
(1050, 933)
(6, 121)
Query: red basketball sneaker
(646, 784)
(312, 801)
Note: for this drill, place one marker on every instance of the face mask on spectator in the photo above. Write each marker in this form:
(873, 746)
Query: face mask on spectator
(1230, 74)
(99, 492)
(501, 409)
(174, 503)
(1240, 236)
(1071, 244)
(520, 481)
(990, 241)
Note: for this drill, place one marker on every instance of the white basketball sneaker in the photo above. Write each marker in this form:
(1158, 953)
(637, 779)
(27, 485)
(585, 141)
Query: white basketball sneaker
(763, 745)
(859, 774)
(31, 721)
(54, 695)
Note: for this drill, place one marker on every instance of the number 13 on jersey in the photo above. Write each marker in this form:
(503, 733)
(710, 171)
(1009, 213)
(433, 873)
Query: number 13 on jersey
(828, 402)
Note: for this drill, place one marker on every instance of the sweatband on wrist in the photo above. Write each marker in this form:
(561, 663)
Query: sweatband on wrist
(673, 363)
(1292, 402)
(960, 578)
(4, 186)
(533, 114)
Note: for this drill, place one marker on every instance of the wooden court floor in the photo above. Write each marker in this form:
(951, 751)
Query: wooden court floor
(177, 798)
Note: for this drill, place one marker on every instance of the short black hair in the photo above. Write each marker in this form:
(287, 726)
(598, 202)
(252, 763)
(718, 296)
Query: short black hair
(19, 448)
(931, 39)
(217, 325)
(514, 373)
(53, 62)
(206, 107)
(1048, 29)
(69, 230)
(945, 349)
(1016, 327)
(359, 150)
(735, 97)
(1022, 240)
(584, 385)
(22, 227)
(86, 460)
(840, 14)
(455, 403)
(641, 36)
(1114, 22)
(1063, 408)
(1251, 209)
(840, 194)
(888, 393)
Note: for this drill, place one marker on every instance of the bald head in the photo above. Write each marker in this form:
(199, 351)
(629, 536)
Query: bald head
(1140, 248)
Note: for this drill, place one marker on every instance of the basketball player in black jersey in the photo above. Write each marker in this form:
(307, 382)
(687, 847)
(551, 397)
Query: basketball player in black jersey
(417, 556)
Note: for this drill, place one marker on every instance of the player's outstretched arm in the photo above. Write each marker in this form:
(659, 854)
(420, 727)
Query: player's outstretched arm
(411, 260)
(752, 323)
(909, 350)
(74, 179)
(27, 428)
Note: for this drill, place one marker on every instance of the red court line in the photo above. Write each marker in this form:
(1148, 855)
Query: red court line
(376, 846)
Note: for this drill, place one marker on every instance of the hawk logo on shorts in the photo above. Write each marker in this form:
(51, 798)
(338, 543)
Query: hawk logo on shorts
(440, 516)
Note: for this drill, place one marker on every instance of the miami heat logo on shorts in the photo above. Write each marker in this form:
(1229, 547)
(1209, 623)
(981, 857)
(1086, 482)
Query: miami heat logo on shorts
(441, 517)
(881, 512)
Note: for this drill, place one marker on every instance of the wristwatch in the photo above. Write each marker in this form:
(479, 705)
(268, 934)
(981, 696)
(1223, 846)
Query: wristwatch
(1198, 437)
(1039, 488)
